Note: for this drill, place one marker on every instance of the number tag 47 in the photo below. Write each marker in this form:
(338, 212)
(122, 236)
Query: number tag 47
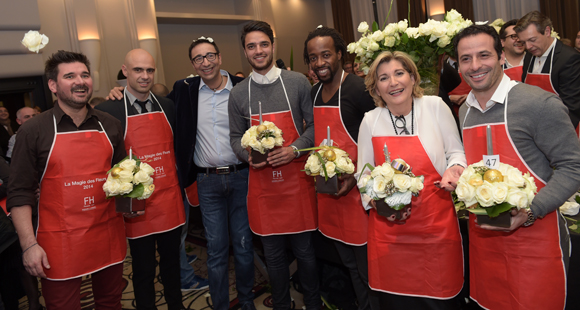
(491, 161)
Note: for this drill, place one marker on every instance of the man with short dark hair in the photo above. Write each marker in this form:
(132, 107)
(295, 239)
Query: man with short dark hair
(68, 151)
(281, 201)
(530, 131)
(147, 122)
(347, 67)
(204, 155)
(549, 64)
(340, 103)
(514, 50)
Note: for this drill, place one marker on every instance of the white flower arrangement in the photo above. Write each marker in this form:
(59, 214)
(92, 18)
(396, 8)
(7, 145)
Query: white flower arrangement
(262, 137)
(34, 41)
(392, 181)
(422, 43)
(328, 161)
(495, 190)
(130, 178)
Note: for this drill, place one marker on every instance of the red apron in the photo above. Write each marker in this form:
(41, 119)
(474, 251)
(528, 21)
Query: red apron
(424, 256)
(462, 89)
(281, 200)
(523, 269)
(514, 73)
(340, 218)
(78, 227)
(151, 137)
(543, 81)
(3, 205)
(191, 195)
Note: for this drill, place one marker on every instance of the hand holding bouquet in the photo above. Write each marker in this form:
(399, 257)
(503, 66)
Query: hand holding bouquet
(491, 192)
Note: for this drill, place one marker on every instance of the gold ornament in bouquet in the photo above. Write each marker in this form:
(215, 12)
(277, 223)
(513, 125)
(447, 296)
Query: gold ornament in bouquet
(326, 163)
(391, 185)
(425, 44)
(262, 138)
(491, 194)
(129, 179)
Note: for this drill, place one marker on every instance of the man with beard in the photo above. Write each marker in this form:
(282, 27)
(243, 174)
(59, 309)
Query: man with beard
(148, 122)
(340, 102)
(549, 64)
(514, 50)
(68, 151)
(281, 201)
(530, 131)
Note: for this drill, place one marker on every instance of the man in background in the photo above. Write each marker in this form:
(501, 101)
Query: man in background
(514, 50)
(22, 115)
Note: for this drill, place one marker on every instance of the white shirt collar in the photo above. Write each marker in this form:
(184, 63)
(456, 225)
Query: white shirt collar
(550, 48)
(229, 84)
(267, 78)
(498, 96)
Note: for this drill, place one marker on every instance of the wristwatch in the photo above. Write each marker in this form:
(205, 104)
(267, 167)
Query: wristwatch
(531, 218)
(295, 150)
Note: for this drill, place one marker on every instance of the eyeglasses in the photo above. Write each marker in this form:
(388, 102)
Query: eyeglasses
(199, 59)
(401, 123)
(513, 37)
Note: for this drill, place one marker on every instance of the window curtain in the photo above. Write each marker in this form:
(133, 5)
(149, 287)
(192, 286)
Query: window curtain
(505, 9)
(362, 11)
(565, 16)
(418, 11)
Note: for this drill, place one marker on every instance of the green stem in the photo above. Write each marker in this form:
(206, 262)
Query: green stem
(409, 11)
(389, 13)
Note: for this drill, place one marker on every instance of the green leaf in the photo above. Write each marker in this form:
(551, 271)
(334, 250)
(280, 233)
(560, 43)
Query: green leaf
(375, 26)
(494, 211)
(577, 198)
(323, 165)
(136, 192)
(367, 165)
(405, 38)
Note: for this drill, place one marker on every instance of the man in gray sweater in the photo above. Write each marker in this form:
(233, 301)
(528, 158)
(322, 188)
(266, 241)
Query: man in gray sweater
(281, 201)
(530, 131)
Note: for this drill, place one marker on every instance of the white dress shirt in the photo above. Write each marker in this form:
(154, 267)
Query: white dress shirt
(268, 78)
(498, 96)
(540, 61)
(137, 107)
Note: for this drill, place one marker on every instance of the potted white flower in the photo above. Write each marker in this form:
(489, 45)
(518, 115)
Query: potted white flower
(261, 139)
(325, 163)
(129, 179)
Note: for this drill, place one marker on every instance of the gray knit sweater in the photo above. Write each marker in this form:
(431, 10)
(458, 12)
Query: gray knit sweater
(273, 100)
(539, 126)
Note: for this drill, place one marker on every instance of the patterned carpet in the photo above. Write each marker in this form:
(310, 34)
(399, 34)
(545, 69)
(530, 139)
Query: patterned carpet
(198, 300)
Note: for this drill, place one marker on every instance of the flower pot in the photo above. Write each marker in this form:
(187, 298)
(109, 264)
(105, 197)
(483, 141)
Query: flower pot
(258, 157)
(326, 187)
(385, 210)
(502, 220)
(128, 205)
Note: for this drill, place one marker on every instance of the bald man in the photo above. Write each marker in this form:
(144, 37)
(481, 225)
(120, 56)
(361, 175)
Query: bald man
(147, 121)
(22, 115)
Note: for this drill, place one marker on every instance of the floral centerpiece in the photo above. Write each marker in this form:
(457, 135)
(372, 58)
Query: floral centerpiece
(130, 178)
(491, 193)
(325, 163)
(425, 44)
(391, 185)
(262, 138)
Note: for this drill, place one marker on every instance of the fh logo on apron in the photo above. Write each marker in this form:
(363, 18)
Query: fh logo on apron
(277, 176)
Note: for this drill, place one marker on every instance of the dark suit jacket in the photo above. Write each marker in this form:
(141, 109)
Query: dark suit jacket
(565, 76)
(117, 110)
(185, 94)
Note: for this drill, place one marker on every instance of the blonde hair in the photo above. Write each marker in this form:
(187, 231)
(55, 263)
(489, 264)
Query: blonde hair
(386, 57)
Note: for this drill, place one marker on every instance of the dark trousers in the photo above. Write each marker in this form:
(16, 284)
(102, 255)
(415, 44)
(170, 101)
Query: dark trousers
(107, 290)
(355, 259)
(277, 264)
(399, 302)
(144, 264)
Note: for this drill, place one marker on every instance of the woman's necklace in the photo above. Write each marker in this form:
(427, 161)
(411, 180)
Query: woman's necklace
(402, 118)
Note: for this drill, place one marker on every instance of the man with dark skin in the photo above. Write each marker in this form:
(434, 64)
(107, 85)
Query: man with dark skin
(323, 52)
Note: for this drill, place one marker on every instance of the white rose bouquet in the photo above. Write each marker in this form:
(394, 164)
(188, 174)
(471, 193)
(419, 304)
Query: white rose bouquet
(263, 137)
(490, 192)
(393, 182)
(130, 178)
(328, 161)
(424, 44)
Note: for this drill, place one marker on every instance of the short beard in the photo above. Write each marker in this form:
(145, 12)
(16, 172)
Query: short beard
(69, 101)
(266, 66)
